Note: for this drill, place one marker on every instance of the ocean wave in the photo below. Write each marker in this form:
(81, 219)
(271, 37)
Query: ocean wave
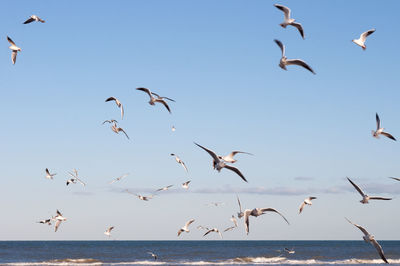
(284, 260)
(80, 262)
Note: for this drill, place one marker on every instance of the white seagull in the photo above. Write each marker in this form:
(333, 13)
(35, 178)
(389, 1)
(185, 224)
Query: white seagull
(185, 185)
(48, 175)
(118, 103)
(213, 230)
(108, 231)
(366, 198)
(306, 201)
(33, 18)
(153, 255)
(288, 21)
(219, 164)
(119, 178)
(368, 238)
(118, 129)
(185, 228)
(159, 99)
(257, 212)
(178, 160)
(290, 251)
(14, 48)
(58, 218)
(379, 129)
(287, 62)
(363, 37)
(74, 178)
(144, 198)
(229, 158)
(164, 188)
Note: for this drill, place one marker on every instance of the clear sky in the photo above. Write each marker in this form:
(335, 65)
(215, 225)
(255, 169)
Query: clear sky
(217, 59)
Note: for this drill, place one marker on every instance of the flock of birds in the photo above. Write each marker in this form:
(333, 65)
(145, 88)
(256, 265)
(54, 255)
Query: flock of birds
(218, 162)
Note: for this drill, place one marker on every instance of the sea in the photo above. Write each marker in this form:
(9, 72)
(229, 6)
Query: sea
(195, 252)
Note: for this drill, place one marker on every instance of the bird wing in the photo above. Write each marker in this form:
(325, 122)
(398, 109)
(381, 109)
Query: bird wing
(364, 35)
(10, 41)
(233, 219)
(246, 220)
(189, 223)
(379, 249)
(279, 43)
(57, 225)
(300, 62)
(240, 205)
(180, 231)
(47, 171)
(146, 90)
(379, 198)
(111, 99)
(209, 231)
(169, 99)
(236, 152)
(122, 111)
(395, 178)
(273, 210)
(58, 212)
(29, 20)
(299, 28)
(229, 228)
(109, 229)
(388, 135)
(365, 232)
(155, 94)
(184, 166)
(356, 187)
(213, 155)
(285, 10)
(14, 56)
(234, 169)
(80, 181)
(378, 121)
(120, 129)
(302, 207)
(164, 103)
(41, 20)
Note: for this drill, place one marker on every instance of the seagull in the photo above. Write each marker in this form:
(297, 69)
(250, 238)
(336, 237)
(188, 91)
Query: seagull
(290, 251)
(379, 129)
(164, 188)
(288, 20)
(119, 178)
(144, 198)
(178, 160)
(186, 184)
(118, 103)
(173, 128)
(306, 201)
(46, 221)
(395, 178)
(213, 230)
(219, 164)
(153, 255)
(229, 158)
(371, 239)
(363, 37)
(229, 228)
(108, 231)
(185, 227)
(240, 214)
(257, 212)
(110, 121)
(14, 49)
(366, 198)
(33, 18)
(74, 178)
(156, 100)
(58, 218)
(118, 129)
(233, 219)
(48, 175)
(287, 62)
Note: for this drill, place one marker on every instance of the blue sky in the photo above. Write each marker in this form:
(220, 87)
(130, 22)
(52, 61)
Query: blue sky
(217, 59)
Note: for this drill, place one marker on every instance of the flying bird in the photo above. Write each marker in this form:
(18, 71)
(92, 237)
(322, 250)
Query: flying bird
(213, 230)
(33, 18)
(229, 228)
(379, 129)
(363, 37)
(159, 99)
(287, 62)
(395, 178)
(118, 129)
(153, 255)
(288, 21)
(144, 198)
(366, 198)
(118, 103)
(185, 228)
(290, 251)
(108, 231)
(58, 218)
(368, 238)
(74, 178)
(118, 178)
(229, 158)
(173, 128)
(110, 121)
(178, 160)
(306, 201)
(185, 185)
(14, 48)
(219, 164)
(257, 212)
(164, 188)
(48, 175)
